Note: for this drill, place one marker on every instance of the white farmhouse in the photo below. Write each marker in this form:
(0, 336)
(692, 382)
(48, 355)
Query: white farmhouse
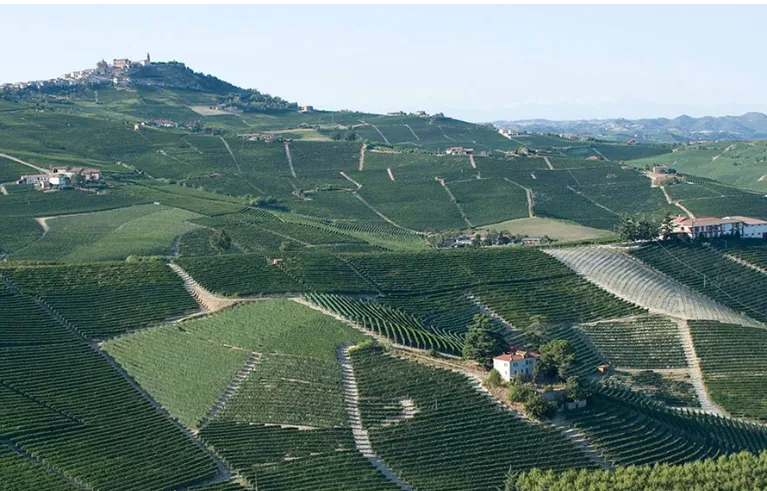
(709, 227)
(516, 363)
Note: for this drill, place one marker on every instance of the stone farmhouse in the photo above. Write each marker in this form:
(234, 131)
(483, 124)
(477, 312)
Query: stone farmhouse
(709, 227)
(517, 362)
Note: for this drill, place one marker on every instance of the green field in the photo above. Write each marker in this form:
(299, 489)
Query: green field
(737, 163)
(555, 229)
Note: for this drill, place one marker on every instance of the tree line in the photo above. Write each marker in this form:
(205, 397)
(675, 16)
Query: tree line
(736, 472)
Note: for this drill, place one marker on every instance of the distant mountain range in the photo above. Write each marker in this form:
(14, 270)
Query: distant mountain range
(749, 126)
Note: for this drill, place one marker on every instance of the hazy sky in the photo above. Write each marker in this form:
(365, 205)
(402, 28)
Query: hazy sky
(478, 63)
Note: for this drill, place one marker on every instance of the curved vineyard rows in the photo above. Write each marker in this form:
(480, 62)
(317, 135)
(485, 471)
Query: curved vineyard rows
(630, 279)
(460, 438)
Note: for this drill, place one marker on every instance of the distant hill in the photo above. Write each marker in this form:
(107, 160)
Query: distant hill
(749, 126)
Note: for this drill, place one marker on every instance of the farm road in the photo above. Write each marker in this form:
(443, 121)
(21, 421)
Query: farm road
(19, 161)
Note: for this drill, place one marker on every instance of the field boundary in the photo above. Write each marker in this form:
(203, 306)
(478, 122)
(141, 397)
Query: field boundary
(455, 201)
(228, 149)
(696, 375)
(223, 472)
(361, 437)
(42, 464)
(290, 160)
(242, 374)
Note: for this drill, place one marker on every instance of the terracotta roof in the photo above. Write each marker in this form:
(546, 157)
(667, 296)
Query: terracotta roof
(748, 220)
(517, 355)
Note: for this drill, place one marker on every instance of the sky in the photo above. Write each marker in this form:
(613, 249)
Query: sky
(478, 63)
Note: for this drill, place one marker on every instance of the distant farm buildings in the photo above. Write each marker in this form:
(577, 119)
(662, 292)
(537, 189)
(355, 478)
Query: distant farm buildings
(517, 362)
(710, 227)
(61, 177)
(663, 169)
(459, 151)
(306, 109)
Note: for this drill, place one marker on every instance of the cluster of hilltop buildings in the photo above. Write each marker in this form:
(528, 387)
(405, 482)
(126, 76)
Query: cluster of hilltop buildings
(103, 73)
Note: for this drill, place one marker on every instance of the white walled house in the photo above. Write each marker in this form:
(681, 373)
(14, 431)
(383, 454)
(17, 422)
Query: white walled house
(709, 227)
(516, 363)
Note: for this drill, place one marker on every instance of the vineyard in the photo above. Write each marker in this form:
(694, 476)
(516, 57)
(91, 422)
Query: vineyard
(459, 439)
(285, 459)
(184, 373)
(629, 429)
(555, 300)
(644, 342)
(110, 235)
(316, 235)
(739, 287)
(107, 435)
(289, 390)
(753, 254)
(731, 473)
(106, 299)
(392, 324)
(734, 366)
(632, 280)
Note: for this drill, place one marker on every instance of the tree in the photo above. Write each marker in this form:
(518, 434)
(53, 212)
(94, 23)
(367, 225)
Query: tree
(536, 407)
(633, 227)
(519, 391)
(493, 379)
(667, 227)
(556, 358)
(536, 330)
(482, 343)
(337, 136)
(575, 391)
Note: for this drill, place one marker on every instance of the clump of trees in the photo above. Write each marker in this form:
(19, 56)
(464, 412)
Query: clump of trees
(636, 227)
(349, 136)
(557, 357)
(482, 342)
(734, 472)
(253, 101)
(527, 395)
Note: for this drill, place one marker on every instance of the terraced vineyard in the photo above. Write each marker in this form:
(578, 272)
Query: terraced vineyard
(734, 366)
(395, 325)
(644, 342)
(287, 458)
(631, 280)
(459, 439)
(556, 300)
(755, 255)
(105, 299)
(739, 287)
(630, 430)
(107, 435)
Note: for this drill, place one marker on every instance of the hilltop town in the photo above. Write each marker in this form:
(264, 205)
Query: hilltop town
(104, 73)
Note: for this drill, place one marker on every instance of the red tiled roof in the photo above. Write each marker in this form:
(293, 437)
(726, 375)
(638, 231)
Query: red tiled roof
(517, 355)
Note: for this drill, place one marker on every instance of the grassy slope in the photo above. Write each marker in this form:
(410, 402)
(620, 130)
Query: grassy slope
(110, 235)
(738, 163)
(556, 229)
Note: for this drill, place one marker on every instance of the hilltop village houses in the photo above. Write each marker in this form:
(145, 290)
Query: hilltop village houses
(61, 177)
(104, 72)
(517, 362)
(711, 227)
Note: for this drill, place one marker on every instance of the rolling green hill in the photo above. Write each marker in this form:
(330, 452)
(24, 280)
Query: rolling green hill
(188, 321)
